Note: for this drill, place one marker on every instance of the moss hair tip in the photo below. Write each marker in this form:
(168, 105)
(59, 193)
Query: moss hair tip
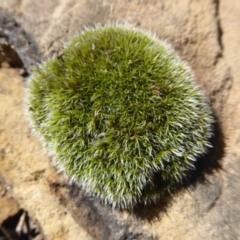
(121, 113)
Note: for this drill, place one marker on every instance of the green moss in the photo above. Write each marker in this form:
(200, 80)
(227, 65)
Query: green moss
(117, 108)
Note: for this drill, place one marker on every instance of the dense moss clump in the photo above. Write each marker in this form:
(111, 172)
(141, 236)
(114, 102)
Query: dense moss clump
(120, 111)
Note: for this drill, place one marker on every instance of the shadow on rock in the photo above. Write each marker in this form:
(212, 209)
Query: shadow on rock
(17, 47)
(205, 165)
(102, 220)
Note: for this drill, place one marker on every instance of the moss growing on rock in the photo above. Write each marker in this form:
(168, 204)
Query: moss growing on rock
(118, 108)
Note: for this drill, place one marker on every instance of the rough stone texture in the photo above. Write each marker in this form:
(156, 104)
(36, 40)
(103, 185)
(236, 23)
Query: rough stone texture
(13, 36)
(24, 167)
(206, 34)
(9, 206)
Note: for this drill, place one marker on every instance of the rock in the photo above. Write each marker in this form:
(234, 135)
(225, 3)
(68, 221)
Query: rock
(25, 168)
(206, 206)
(8, 204)
(17, 47)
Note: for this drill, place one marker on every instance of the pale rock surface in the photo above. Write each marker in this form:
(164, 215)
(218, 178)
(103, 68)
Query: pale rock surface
(206, 34)
(24, 166)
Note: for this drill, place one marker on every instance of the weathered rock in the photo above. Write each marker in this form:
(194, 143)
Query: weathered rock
(25, 168)
(9, 206)
(206, 206)
(16, 46)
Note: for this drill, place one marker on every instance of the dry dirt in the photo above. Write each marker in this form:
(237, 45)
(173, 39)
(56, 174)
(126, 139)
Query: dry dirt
(206, 33)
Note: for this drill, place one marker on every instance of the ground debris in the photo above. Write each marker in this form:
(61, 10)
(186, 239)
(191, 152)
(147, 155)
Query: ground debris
(20, 227)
